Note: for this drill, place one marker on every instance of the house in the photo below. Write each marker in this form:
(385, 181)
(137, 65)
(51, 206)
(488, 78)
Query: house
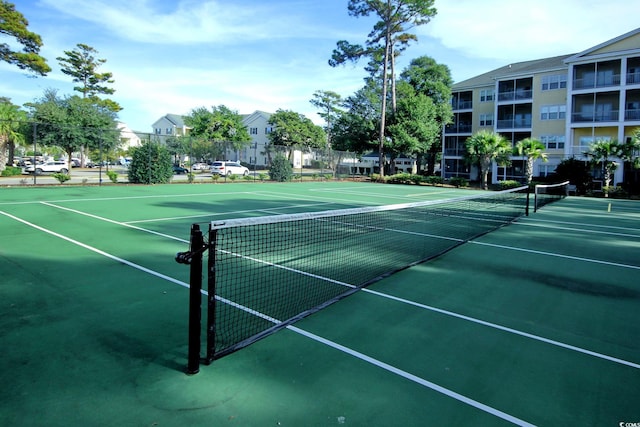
(128, 137)
(256, 153)
(170, 125)
(567, 102)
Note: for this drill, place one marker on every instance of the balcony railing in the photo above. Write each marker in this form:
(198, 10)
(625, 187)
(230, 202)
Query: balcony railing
(515, 95)
(460, 128)
(601, 80)
(609, 116)
(514, 124)
(633, 78)
(632, 114)
(462, 105)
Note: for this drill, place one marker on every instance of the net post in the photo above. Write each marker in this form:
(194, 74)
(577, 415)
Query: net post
(211, 299)
(195, 300)
(526, 209)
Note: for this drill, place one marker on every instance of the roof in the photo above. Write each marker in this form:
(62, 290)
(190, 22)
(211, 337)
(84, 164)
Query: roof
(514, 70)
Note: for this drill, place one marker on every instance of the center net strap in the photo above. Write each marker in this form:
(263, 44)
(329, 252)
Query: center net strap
(267, 272)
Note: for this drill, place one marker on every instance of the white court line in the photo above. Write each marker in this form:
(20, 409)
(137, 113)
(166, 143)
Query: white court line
(390, 368)
(551, 254)
(449, 313)
(580, 230)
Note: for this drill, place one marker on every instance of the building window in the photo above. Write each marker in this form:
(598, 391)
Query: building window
(169, 131)
(553, 142)
(486, 119)
(253, 131)
(158, 131)
(553, 112)
(558, 81)
(268, 129)
(487, 95)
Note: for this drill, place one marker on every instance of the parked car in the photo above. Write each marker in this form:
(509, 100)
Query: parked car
(179, 170)
(228, 168)
(200, 166)
(50, 166)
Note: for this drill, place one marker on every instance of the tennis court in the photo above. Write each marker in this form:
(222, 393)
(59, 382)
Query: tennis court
(535, 323)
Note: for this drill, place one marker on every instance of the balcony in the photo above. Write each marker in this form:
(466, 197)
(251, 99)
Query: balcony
(632, 114)
(594, 117)
(458, 128)
(515, 95)
(633, 78)
(600, 80)
(462, 105)
(514, 124)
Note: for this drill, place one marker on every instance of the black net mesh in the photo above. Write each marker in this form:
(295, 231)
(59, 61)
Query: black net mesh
(549, 193)
(267, 272)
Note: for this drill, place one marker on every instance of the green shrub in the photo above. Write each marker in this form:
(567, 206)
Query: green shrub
(190, 177)
(215, 177)
(113, 176)
(507, 184)
(151, 163)
(434, 180)
(61, 177)
(262, 176)
(280, 169)
(248, 177)
(458, 182)
(11, 171)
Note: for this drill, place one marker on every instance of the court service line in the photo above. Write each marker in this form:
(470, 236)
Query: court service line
(369, 359)
(168, 236)
(506, 329)
(581, 230)
(571, 257)
(98, 251)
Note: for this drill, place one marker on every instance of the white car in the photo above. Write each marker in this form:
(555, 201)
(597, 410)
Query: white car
(228, 168)
(50, 166)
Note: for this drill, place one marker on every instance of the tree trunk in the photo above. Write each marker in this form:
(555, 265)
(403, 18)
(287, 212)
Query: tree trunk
(383, 112)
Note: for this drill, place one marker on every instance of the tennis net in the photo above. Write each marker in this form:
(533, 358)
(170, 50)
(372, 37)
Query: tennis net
(264, 273)
(549, 193)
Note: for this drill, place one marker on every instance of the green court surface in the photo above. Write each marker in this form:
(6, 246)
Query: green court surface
(536, 323)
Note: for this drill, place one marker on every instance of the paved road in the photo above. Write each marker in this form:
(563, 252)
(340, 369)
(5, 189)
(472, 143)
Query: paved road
(84, 176)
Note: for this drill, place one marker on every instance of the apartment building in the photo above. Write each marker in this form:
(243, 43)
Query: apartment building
(567, 102)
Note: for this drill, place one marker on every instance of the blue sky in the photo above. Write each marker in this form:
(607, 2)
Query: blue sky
(174, 56)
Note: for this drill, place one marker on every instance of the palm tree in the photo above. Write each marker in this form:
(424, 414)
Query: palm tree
(10, 120)
(533, 150)
(484, 147)
(601, 152)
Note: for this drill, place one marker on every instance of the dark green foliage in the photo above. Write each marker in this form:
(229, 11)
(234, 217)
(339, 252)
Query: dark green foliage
(61, 177)
(15, 25)
(575, 171)
(11, 171)
(281, 169)
(150, 164)
(458, 182)
(113, 176)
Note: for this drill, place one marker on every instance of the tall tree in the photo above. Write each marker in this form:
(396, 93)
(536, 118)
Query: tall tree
(293, 129)
(414, 128)
(356, 128)
(81, 64)
(485, 147)
(531, 149)
(387, 39)
(71, 123)
(15, 25)
(11, 120)
(433, 80)
(328, 103)
(214, 132)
